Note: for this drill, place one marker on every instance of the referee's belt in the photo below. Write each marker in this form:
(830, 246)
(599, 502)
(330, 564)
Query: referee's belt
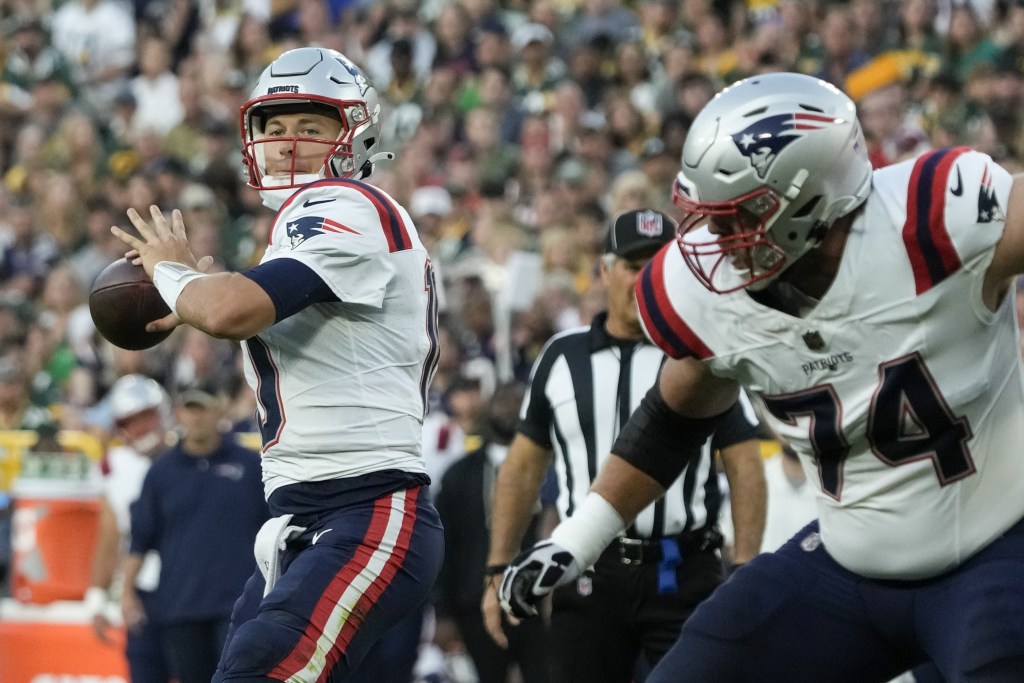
(649, 550)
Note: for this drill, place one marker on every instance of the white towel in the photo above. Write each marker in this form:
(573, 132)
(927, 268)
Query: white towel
(270, 541)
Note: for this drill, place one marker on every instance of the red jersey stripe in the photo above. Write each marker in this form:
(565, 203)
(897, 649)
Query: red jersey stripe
(306, 646)
(373, 593)
(667, 329)
(932, 255)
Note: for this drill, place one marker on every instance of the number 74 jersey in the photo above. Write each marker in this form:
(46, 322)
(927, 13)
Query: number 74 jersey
(901, 392)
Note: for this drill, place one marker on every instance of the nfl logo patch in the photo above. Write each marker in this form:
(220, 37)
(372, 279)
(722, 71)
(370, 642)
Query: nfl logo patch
(648, 224)
(811, 542)
(584, 586)
(814, 341)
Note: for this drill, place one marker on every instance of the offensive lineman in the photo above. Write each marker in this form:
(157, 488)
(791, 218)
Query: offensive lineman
(338, 325)
(869, 313)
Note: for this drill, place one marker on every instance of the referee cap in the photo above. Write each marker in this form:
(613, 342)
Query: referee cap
(639, 233)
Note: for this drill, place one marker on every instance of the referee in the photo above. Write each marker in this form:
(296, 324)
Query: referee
(585, 384)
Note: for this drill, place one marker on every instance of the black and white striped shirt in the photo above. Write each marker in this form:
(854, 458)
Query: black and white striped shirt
(583, 388)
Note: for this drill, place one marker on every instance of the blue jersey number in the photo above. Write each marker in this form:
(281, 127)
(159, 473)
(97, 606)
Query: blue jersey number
(271, 413)
(908, 421)
(430, 363)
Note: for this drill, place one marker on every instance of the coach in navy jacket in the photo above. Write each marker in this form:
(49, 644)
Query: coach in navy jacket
(201, 506)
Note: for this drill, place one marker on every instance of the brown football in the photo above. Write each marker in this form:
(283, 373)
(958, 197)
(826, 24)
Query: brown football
(123, 301)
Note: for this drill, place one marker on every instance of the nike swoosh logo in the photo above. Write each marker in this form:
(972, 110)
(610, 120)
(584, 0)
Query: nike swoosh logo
(313, 202)
(317, 535)
(959, 189)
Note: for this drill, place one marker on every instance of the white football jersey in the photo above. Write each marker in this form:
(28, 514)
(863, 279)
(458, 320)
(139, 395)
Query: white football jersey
(122, 482)
(341, 386)
(901, 392)
(125, 470)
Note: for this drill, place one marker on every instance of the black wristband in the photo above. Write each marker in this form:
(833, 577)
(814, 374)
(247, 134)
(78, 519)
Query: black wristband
(495, 569)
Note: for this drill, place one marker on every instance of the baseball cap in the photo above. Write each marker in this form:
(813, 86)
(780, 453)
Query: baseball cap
(532, 33)
(196, 196)
(201, 396)
(639, 233)
(430, 199)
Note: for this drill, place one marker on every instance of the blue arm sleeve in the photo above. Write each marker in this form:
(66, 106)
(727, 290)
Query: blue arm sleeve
(291, 285)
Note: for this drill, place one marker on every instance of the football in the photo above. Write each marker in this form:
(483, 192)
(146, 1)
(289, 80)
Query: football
(122, 302)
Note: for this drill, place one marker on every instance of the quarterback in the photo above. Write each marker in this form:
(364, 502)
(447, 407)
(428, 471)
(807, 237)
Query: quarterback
(868, 312)
(338, 327)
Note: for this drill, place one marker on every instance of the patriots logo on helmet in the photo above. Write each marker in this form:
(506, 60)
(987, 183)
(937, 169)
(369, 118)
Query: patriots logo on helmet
(307, 227)
(357, 77)
(762, 140)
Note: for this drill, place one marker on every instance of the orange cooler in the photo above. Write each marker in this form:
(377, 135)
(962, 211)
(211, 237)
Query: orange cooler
(55, 527)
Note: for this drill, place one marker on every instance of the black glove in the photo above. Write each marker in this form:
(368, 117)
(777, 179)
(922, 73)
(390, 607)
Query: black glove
(533, 574)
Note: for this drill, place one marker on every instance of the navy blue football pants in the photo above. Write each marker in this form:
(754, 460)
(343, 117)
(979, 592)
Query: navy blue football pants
(371, 564)
(795, 615)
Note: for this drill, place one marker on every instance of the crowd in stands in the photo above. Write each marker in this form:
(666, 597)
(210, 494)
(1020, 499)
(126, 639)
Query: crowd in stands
(519, 127)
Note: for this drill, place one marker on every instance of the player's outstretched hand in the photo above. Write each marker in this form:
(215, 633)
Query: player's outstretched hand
(159, 240)
(534, 574)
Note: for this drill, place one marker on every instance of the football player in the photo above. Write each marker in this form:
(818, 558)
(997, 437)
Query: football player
(871, 313)
(338, 327)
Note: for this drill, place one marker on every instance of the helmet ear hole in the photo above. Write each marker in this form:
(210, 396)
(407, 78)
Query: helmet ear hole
(369, 142)
(807, 208)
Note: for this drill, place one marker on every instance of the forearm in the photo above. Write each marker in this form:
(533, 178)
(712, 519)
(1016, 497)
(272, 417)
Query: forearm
(617, 495)
(515, 495)
(226, 305)
(132, 566)
(748, 498)
(628, 489)
(108, 550)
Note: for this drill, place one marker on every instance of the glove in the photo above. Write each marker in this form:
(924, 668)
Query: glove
(533, 574)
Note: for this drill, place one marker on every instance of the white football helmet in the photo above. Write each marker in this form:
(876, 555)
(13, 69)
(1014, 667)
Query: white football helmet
(134, 394)
(322, 81)
(770, 162)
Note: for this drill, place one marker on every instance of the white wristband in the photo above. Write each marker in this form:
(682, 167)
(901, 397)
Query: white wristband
(171, 278)
(95, 600)
(590, 529)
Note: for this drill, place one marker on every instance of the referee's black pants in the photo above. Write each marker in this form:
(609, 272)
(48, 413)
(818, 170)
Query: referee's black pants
(603, 622)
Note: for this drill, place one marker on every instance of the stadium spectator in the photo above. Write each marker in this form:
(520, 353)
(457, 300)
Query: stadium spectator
(98, 38)
(38, 77)
(966, 46)
(156, 89)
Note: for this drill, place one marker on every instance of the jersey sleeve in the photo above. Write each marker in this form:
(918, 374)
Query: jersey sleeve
(660, 318)
(344, 233)
(956, 199)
